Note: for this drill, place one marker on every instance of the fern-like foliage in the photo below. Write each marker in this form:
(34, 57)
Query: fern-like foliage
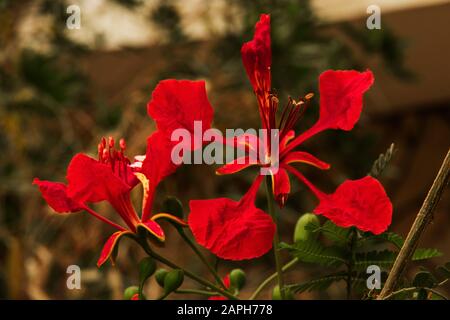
(384, 259)
(425, 253)
(324, 282)
(313, 251)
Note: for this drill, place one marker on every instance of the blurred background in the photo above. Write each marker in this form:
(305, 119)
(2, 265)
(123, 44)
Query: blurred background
(61, 90)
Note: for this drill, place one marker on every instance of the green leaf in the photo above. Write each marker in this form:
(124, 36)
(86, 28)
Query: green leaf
(423, 254)
(383, 259)
(334, 233)
(317, 284)
(322, 283)
(391, 237)
(313, 251)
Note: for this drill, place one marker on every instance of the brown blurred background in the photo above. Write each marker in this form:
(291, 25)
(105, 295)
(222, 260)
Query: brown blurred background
(61, 90)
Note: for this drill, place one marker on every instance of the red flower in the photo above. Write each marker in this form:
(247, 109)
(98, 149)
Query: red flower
(112, 176)
(341, 98)
(340, 106)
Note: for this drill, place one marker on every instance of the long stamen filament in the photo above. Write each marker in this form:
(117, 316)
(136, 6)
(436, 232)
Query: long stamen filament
(101, 218)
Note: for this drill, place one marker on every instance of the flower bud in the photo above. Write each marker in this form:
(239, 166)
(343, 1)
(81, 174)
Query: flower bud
(276, 294)
(160, 275)
(130, 292)
(173, 280)
(147, 267)
(237, 279)
(301, 233)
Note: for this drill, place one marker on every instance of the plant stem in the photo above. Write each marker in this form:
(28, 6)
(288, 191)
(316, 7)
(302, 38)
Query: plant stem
(195, 291)
(206, 283)
(353, 238)
(423, 218)
(389, 296)
(276, 238)
(269, 279)
(202, 257)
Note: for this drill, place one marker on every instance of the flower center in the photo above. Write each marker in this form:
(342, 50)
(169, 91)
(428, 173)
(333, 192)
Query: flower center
(115, 158)
(292, 112)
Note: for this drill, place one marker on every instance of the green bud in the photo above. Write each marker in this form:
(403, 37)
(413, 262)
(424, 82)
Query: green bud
(173, 206)
(160, 275)
(276, 294)
(237, 278)
(302, 234)
(173, 280)
(130, 292)
(147, 267)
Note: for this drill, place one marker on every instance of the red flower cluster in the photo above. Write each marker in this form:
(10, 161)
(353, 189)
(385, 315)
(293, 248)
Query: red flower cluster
(111, 177)
(237, 230)
(230, 229)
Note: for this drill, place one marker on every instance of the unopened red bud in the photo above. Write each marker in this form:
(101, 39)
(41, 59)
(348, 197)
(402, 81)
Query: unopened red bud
(103, 142)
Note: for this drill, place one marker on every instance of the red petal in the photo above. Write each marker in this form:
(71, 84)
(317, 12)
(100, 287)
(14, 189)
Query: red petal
(178, 103)
(55, 194)
(341, 97)
(234, 230)
(305, 157)
(217, 298)
(245, 141)
(288, 137)
(257, 56)
(226, 281)
(92, 181)
(361, 203)
(109, 246)
(281, 187)
(341, 101)
(236, 165)
(170, 217)
(135, 296)
(157, 165)
(154, 228)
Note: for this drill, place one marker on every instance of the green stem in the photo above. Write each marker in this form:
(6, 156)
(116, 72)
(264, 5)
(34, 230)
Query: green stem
(206, 283)
(391, 295)
(276, 238)
(202, 257)
(353, 238)
(195, 291)
(269, 279)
